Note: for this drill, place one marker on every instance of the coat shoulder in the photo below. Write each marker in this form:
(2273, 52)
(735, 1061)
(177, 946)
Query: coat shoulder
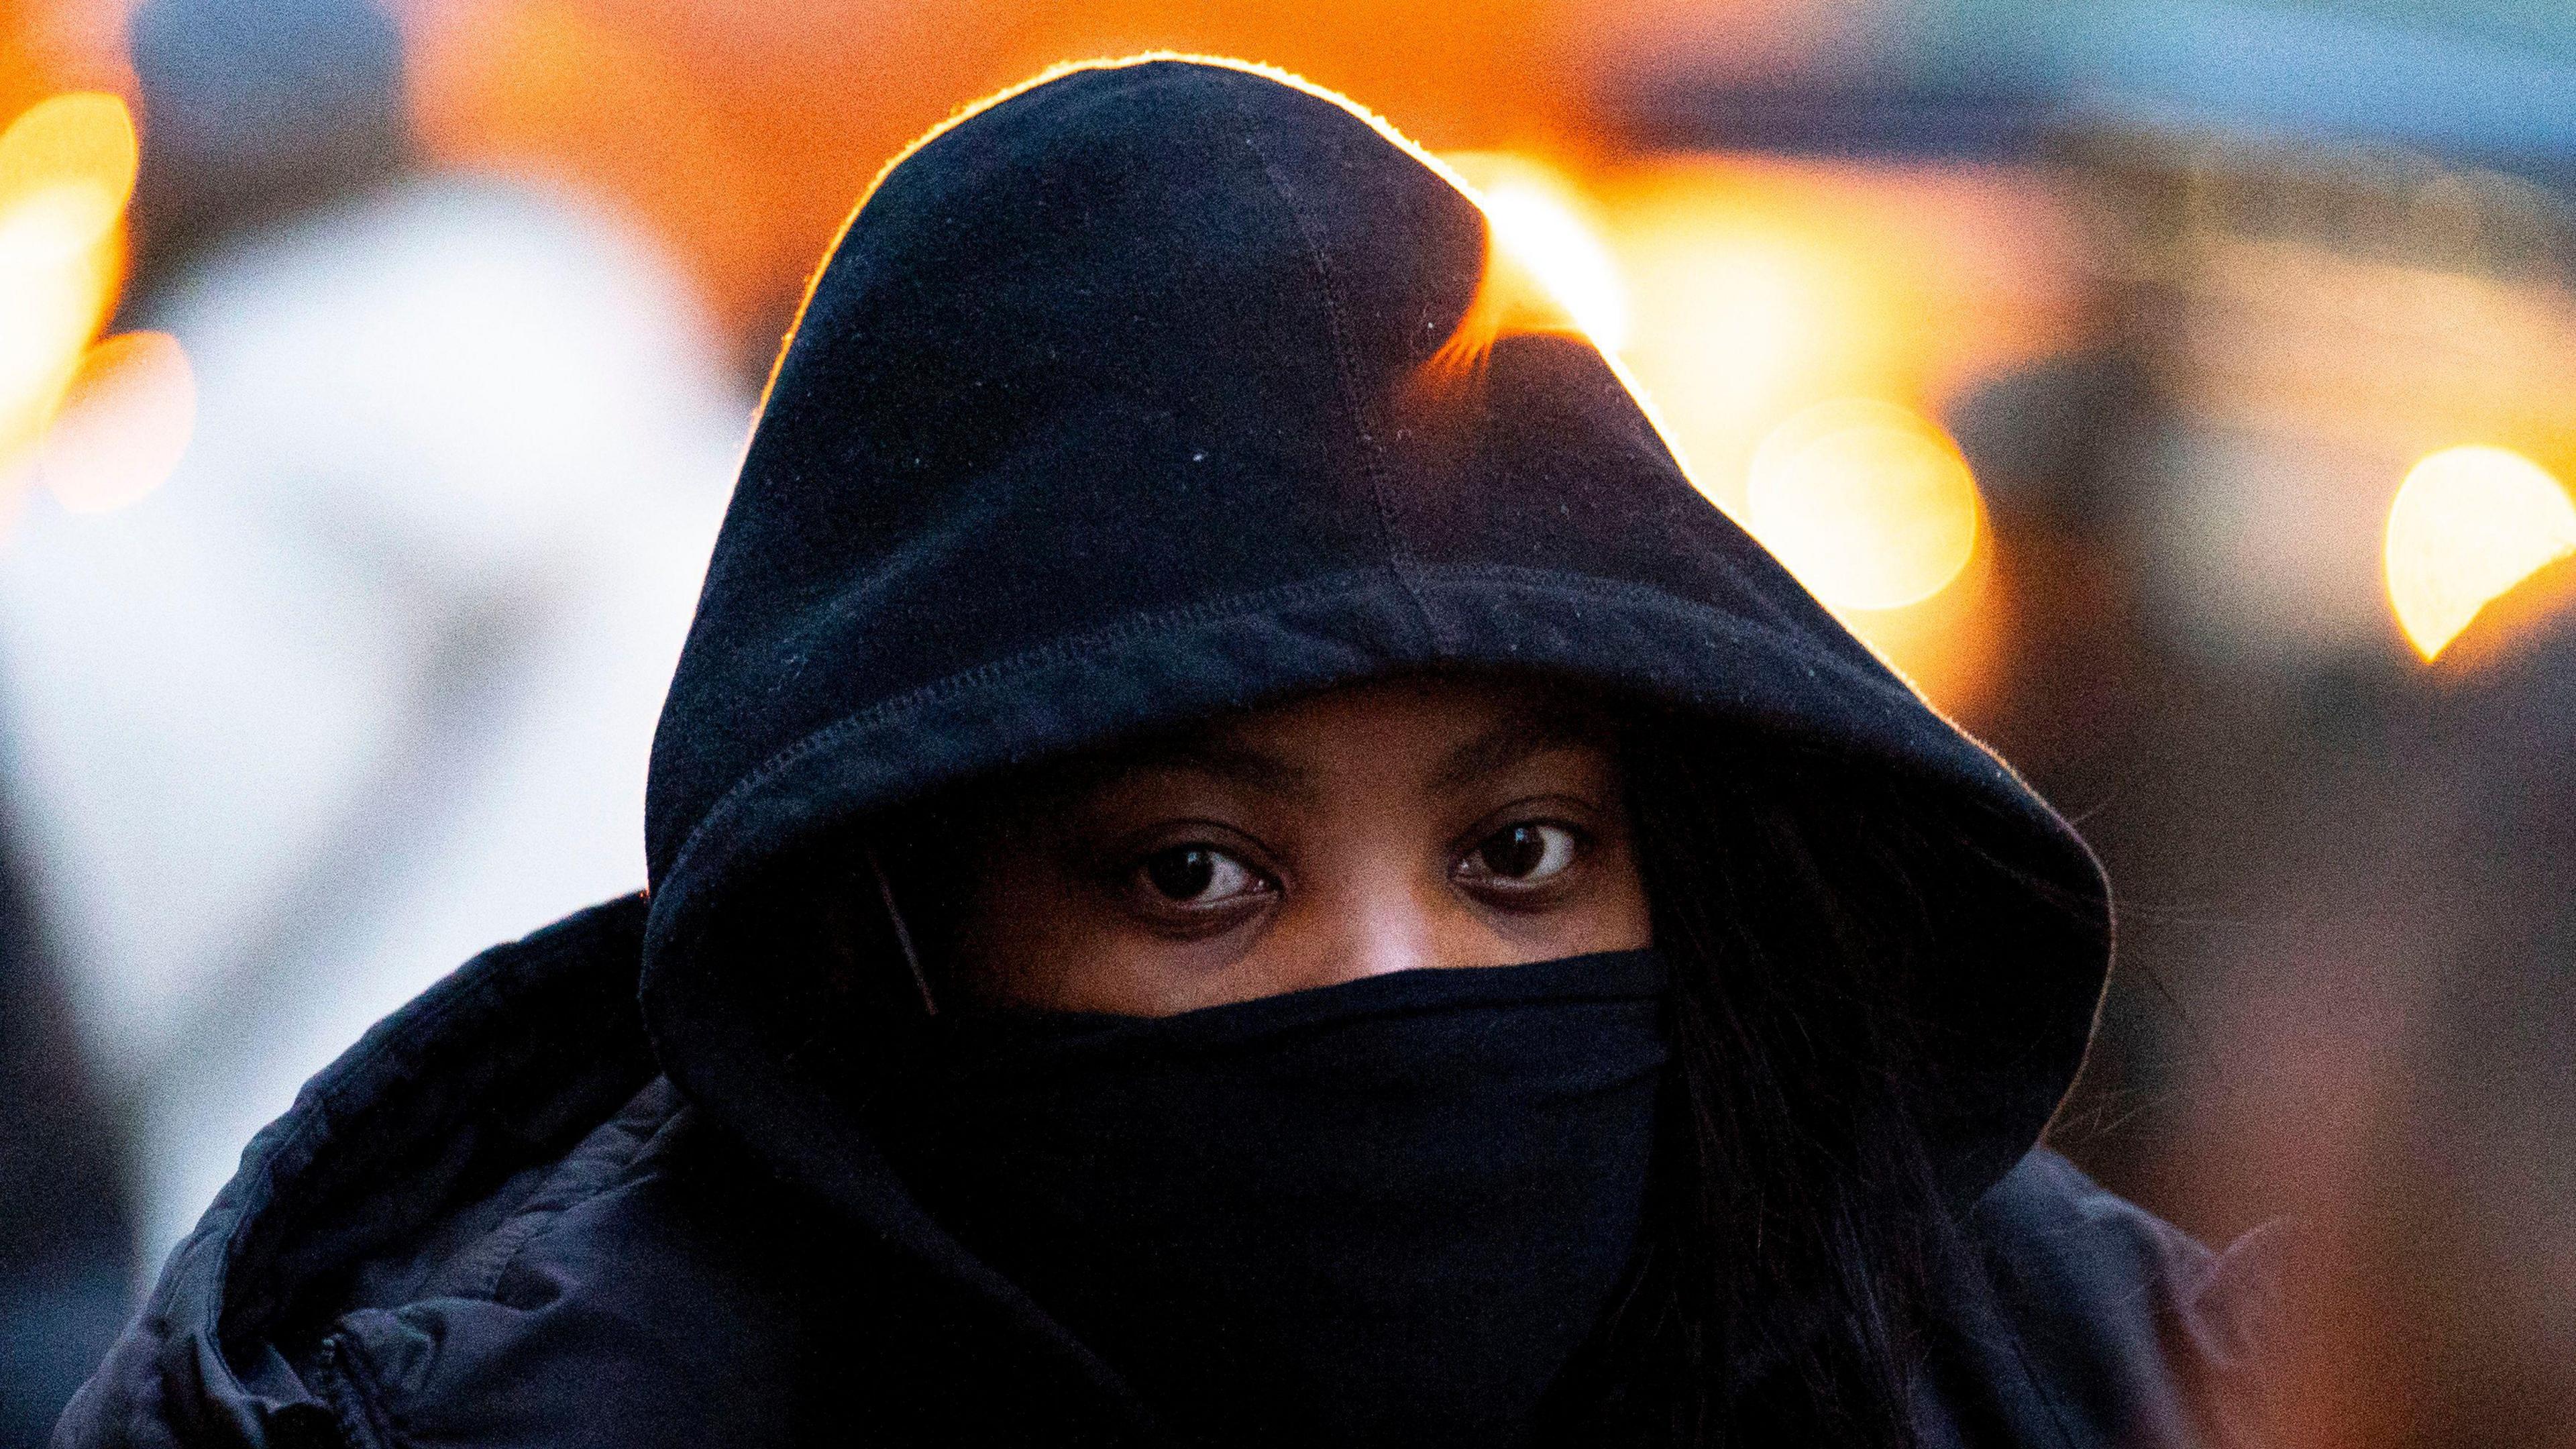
(432, 1128)
(601, 1308)
(2112, 1326)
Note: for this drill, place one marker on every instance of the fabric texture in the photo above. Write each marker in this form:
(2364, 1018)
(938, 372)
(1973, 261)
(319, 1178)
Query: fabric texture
(1146, 394)
(1380, 1213)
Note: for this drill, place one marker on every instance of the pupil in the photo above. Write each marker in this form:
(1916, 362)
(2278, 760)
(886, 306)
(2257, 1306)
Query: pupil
(1517, 851)
(1182, 874)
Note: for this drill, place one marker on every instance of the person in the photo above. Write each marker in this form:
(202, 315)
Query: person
(1236, 858)
(367, 681)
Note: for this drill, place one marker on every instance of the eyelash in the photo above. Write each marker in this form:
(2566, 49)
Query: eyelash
(1260, 881)
(1138, 874)
(1578, 843)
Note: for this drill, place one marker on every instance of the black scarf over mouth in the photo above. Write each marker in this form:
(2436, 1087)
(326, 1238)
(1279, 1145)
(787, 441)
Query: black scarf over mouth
(1381, 1212)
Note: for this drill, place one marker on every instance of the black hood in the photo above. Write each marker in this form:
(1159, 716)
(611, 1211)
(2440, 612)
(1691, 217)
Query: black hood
(1115, 406)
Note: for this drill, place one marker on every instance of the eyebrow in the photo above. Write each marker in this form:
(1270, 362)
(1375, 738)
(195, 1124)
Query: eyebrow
(1520, 737)
(1241, 764)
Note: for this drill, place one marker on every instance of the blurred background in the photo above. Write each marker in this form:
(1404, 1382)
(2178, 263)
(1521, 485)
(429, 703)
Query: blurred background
(2183, 394)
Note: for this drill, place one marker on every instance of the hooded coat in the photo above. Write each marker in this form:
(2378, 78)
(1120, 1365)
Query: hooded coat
(1149, 392)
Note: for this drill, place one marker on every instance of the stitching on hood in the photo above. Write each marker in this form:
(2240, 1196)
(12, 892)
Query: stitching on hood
(1328, 293)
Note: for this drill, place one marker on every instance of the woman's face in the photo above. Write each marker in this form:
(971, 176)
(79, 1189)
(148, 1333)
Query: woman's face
(1383, 827)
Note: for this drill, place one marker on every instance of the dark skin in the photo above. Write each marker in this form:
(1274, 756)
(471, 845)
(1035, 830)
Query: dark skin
(1390, 826)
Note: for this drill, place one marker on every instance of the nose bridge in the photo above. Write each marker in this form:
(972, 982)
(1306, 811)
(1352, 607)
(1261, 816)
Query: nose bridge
(1393, 920)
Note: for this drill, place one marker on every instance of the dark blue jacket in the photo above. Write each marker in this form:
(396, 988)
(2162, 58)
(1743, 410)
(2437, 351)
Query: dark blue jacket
(1152, 392)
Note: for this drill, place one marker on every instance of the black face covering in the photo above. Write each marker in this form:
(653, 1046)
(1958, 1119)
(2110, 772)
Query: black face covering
(1383, 1212)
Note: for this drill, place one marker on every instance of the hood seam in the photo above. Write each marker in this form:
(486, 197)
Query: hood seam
(1328, 294)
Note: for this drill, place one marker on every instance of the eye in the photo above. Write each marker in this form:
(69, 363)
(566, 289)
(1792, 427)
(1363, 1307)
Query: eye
(1526, 854)
(1199, 875)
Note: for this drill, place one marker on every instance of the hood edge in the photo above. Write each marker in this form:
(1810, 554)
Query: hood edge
(1316, 634)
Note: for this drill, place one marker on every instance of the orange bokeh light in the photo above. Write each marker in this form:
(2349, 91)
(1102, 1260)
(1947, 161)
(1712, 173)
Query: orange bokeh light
(1763, 287)
(1869, 504)
(1768, 296)
(2466, 527)
(66, 169)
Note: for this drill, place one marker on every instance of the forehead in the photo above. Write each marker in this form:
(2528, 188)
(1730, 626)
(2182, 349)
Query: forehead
(1422, 735)
(1402, 737)
(1431, 732)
